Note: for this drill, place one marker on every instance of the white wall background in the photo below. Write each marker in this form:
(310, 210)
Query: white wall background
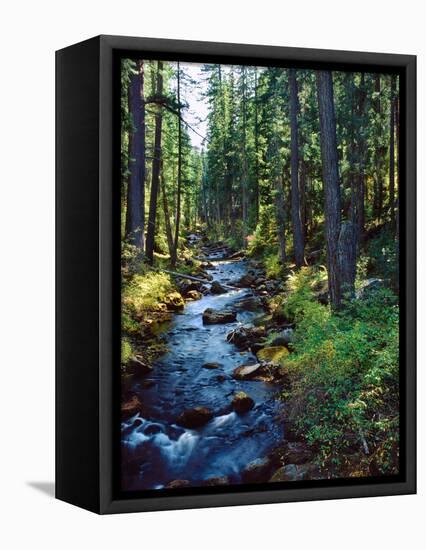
(29, 34)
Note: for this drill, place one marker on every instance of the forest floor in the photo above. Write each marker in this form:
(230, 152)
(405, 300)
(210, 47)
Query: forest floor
(209, 396)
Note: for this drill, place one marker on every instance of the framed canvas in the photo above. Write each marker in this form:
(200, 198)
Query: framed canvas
(235, 274)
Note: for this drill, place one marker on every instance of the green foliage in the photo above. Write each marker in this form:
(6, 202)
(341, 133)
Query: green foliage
(126, 350)
(144, 292)
(343, 367)
(301, 286)
(128, 324)
(344, 393)
(383, 253)
(273, 266)
(160, 244)
(263, 241)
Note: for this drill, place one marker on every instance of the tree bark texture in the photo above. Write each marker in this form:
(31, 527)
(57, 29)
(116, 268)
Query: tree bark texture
(279, 203)
(173, 258)
(135, 213)
(392, 152)
(331, 182)
(295, 196)
(156, 163)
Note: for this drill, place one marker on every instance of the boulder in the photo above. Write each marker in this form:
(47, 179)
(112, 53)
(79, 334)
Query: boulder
(247, 372)
(220, 480)
(193, 295)
(284, 338)
(153, 429)
(273, 353)
(263, 372)
(174, 301)
(249, 303)
(194, 418)
(367, 287)
(187, 286)
(213, 316)
(217, 288)
(271, 285)
(131, 407)
(203, 275)
(211, 365)
(279, 316)
(243, 338)
(178, 483)
(257, 471)
(137, 366)
(207, 265)
(264, 320)
(242, 402)
(246, 281)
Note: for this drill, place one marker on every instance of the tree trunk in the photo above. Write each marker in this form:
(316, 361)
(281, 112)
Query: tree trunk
(155, 169)
(256, 148)
(280, 215)
(346, 258)
(303, 200)
(173, 257)
(295, 197)
(169, 234)
(244, 176)
(392, 152)
(360, 221)
(357, 155)
(135, 213)
(398, 160)
(378, 152)
(331, 182)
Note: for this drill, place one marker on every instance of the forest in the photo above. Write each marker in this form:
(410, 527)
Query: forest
(260, 283)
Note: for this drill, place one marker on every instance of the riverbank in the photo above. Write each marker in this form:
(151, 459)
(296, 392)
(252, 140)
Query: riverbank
(194, 414)
(232, 377)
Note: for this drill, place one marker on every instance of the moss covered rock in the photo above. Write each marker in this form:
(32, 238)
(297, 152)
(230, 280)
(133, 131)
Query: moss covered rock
(174, 301)
(273, 353)
(242, 402)
(193, 295)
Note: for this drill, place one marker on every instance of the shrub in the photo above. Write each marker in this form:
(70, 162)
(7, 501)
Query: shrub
(300, 289)
(126, 350)
(383, 253)
(144, 292)
(273, 266)
(263, 240)
(344, 392)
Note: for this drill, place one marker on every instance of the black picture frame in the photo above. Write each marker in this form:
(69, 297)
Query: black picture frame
(88, 278)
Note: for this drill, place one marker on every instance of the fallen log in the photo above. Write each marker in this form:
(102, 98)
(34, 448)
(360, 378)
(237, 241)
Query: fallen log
(215, 259)
(197, 279)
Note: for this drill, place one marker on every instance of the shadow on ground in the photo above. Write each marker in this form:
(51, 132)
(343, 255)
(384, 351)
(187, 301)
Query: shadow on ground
(46, 487)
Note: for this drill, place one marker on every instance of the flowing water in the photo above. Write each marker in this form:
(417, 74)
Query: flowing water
(155, 448)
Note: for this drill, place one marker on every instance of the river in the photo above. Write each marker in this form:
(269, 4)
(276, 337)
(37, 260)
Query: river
(159, 451)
